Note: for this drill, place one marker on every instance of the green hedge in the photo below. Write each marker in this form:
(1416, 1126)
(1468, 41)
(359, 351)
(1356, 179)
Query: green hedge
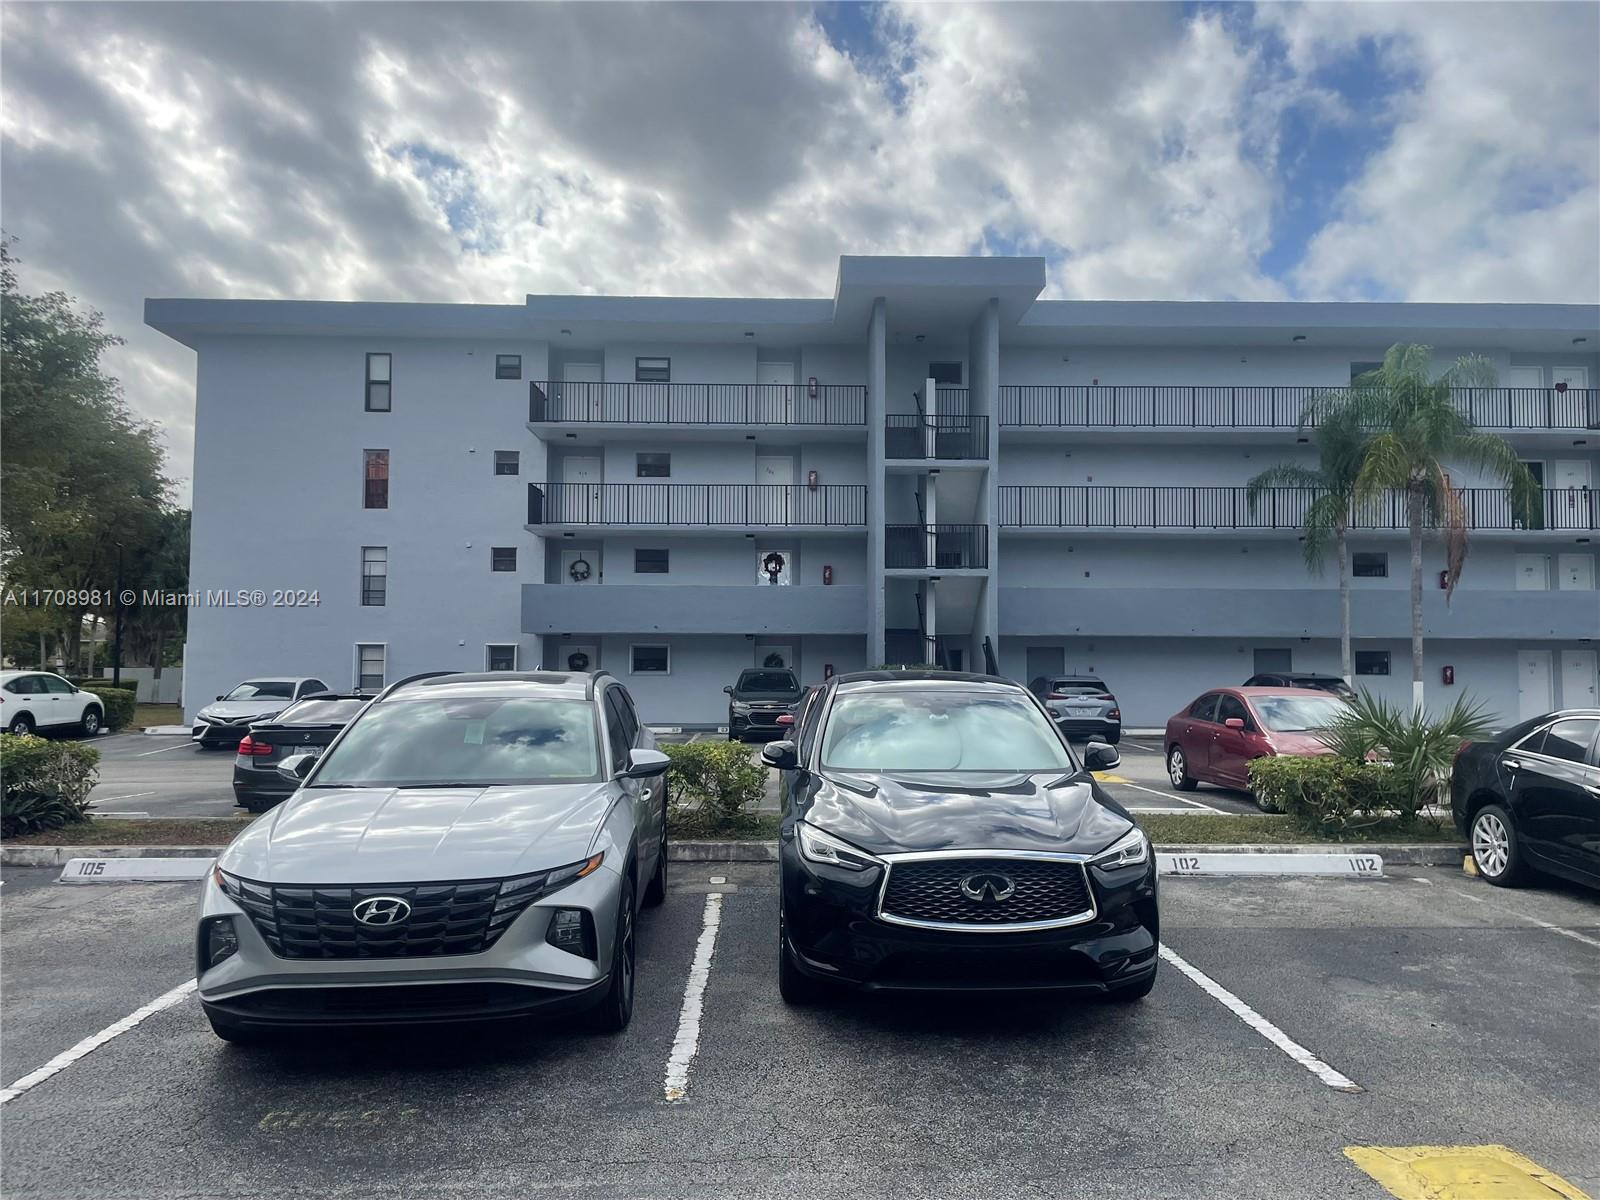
(714, 788)
(47, 783)
(116, 703)
(1331, 795)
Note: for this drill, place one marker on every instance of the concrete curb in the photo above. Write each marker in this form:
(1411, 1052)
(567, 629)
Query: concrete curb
(1393, 855)
(167, 731)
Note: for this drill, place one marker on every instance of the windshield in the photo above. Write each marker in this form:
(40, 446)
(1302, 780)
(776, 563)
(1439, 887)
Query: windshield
(1298, 714)
(477, 742)
(778, 682)
(940, 731)
(321, 712)
(262, 689)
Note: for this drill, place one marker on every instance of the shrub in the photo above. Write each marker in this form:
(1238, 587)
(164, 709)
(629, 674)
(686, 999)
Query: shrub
(116, 703)
(46, 783)
(1421, 749)
(1330, 794)
(714, 787)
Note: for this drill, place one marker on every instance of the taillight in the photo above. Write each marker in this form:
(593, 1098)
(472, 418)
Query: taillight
(1460, 750)
(1056, 696)
(250, 747)
(1115, 712)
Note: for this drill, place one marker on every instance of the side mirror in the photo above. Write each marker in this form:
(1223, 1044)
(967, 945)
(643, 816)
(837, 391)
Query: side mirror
(219, 697)
(1234, 722)
(1101, 756)
(642, 764)
(297, 766)
(780, 755)
(728, 689)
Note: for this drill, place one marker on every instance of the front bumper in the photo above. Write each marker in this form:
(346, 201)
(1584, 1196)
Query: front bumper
(763, 721)
(205, 733)
(832, 931)
(520, 973)
(1088, 726)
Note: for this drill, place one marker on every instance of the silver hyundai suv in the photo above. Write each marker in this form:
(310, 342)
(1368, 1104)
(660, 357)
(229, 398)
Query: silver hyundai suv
(469, 847)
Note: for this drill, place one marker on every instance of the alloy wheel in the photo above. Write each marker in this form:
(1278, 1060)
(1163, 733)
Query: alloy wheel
(91, 723)
(1491, 845)
(1175, 767)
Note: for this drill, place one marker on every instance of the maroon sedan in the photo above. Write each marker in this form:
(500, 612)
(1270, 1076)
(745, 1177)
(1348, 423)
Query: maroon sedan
(1214, 739)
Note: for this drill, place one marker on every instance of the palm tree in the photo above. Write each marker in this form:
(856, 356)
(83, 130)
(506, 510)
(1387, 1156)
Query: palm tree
(1340, 442)
(1414, 428)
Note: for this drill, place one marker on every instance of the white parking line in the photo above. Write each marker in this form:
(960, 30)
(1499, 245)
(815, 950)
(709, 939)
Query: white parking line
(1506, 908)
(1264, 1027)
(90, 1044)
(1173, 796)
(687, 1043)
(164, 749)
(129, 796)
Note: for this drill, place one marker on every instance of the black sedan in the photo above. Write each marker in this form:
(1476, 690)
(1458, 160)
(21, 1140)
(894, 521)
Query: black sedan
(938, 833)
(306, 727)
(1529, 799)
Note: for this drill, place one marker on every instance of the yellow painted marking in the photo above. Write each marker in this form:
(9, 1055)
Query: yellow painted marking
(1108, 777)
(1460, 1173)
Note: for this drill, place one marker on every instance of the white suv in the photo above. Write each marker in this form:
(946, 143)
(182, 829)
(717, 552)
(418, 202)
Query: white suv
(32, 700)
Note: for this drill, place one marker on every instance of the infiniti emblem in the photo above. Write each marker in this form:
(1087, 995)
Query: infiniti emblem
(988, 887)
(381, 910)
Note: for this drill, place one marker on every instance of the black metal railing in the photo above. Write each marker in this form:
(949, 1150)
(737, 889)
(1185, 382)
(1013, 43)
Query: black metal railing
(1069, 506)
(698, 403)
(936, 547)
(944, 436)
(1178, 406)
(772, 504)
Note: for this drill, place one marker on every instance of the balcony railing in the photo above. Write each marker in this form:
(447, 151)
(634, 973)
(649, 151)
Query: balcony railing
(698, 403)
(697, 504)
(1070, 506)
(936, 547)
(942, 436)
(1080, 406)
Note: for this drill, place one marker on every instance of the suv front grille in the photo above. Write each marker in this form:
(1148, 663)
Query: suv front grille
(317, 921)
(929, 892)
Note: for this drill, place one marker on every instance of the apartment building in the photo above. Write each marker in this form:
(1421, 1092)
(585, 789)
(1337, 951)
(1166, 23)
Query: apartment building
(931, 465)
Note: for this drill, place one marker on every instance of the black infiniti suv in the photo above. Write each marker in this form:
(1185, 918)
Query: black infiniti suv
(758, 699)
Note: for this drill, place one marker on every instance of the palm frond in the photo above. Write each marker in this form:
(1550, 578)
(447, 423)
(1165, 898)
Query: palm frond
(1282, 475)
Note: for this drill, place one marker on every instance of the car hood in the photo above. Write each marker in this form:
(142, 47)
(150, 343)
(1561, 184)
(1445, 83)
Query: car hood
(892, 813)
(409, 835)
(1299, 745)
(229, 710)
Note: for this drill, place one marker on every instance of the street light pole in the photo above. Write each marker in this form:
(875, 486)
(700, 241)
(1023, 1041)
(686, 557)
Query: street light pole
(116, 643)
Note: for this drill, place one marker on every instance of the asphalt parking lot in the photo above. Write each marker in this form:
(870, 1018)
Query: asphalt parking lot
(1464, 1015)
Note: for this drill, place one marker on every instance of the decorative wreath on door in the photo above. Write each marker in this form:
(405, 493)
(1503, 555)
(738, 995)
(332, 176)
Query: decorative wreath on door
(773, 565)
(774, 662)
(577, 660)
(579, 570)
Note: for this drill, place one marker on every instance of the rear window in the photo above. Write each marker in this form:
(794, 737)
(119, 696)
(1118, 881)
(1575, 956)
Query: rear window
(768, 681)
(465, 742)
(940, 731)
(1079, 687)
(321, 712)
(263, 689)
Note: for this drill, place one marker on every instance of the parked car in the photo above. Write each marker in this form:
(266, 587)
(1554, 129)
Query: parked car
(1213, 739)
(1082, 705)
(1529, 799)
(758, 698)
(938, 832)
(32, 700)
(228, 720)
(305, 727)
(471, 846)
(1297, 679)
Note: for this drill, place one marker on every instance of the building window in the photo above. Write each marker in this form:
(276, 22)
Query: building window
(1358, 369)
(649, 562)
(500, 658)
(945, 374)
(508, 366)
(376, 479)
(650, 660)
(1374, 565)
(369, 667)
(1372, 662)
(503, 558)
(652, 370)
(374, 576)
(653, 466)
(378, 383)
(508, 462)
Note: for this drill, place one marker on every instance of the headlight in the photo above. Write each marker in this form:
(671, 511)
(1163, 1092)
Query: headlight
(820, 846)
(1129, 850)
(740, 706)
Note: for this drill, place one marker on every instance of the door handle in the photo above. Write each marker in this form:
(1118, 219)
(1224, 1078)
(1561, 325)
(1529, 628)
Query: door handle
(1512, 763)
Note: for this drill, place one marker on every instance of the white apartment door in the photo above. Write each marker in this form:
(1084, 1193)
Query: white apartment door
(1579, 686)
(584, 392)
(580, 566)
(1533, 684)
(774, 392)
(1576, 378)
(582, 499)
(1527, 402)
(1575, 572)
(1571, 494)
(1533, 572)
(775, 490)
(575, 657)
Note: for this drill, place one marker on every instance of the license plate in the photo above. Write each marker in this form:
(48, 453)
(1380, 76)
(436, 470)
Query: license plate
(1081, 712)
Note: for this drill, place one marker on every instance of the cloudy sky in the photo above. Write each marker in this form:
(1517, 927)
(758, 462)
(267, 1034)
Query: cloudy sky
(1423, 151)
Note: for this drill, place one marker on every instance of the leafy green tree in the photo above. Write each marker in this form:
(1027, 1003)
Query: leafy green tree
(1340, 442)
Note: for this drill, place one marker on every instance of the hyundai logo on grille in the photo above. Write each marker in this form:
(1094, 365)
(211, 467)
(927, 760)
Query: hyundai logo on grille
(382, 910)
(988, 887)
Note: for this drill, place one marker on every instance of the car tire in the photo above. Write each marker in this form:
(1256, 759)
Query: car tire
(90, 725)
(655, 892)
(798, 989)
(237, 1035)
(1113, 737)
(1496, 848)
(615, 1010)
(1134, 991)
(1178, 770)
(21, 725)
